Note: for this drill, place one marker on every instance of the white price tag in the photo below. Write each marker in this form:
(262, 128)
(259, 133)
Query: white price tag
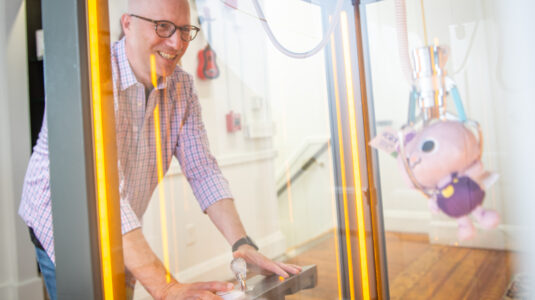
(387, 141)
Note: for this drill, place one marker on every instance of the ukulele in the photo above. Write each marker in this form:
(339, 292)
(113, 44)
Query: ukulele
(207, 68)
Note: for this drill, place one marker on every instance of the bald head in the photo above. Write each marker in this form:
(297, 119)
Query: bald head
(139, 6)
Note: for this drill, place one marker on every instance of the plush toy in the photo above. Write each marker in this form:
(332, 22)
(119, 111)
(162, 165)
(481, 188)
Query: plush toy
(443, 160)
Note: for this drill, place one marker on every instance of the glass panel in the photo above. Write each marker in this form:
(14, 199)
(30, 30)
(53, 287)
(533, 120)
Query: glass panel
(266, 118)
(441, 241)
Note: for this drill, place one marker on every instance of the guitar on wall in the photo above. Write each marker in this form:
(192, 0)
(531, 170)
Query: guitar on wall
(207, 68)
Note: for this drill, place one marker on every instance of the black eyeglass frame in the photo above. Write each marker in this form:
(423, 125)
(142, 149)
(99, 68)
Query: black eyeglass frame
(175, 27)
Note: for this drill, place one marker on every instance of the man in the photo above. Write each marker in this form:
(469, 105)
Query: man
(159, 28)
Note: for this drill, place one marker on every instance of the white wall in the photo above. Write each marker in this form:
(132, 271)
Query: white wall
(298, 87)
(493, 91)
(18, 274)
(307, 210)
(512, 77)
(116, 9)
(518, 21)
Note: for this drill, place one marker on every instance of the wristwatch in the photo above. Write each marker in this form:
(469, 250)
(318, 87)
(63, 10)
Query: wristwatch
(246, 240)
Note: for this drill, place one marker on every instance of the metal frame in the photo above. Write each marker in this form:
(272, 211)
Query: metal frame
(336, 166)
(372, 157)
(82, 146)
(70, 144)
(345, 171)
(273, 288)
(360, 60)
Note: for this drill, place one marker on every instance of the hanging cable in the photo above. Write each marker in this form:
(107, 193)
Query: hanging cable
(403, 40)
(284, 50)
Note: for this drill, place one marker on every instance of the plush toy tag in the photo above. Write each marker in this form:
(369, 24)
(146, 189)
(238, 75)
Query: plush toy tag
(386, 141)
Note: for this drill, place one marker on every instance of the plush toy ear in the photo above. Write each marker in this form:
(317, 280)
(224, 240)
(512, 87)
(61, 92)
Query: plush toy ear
(408, 135)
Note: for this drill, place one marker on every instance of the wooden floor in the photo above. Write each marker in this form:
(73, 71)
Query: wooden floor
(419, 270)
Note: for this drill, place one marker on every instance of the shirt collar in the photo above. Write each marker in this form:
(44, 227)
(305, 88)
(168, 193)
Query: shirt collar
(127, 77)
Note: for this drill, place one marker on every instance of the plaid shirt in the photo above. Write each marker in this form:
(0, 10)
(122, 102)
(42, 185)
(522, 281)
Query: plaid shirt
(183, 135)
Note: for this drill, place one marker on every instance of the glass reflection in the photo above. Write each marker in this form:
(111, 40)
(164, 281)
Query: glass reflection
(266, 118)
(442, 255)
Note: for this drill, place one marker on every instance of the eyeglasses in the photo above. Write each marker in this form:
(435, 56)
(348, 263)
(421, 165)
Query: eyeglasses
(166, 29)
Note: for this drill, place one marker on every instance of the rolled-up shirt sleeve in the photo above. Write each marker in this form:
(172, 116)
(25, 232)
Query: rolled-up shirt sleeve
(129, 219)
(193, 153)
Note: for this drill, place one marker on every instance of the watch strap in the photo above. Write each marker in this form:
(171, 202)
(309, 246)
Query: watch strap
(246, 240)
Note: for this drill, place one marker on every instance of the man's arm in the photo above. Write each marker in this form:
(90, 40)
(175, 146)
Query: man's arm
(225, 217)
(208, 185)
(141, 261)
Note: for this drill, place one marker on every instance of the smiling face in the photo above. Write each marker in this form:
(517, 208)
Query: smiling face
(439, 150)
(142, 40)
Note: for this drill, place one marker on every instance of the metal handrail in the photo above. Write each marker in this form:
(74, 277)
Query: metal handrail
(313, 159)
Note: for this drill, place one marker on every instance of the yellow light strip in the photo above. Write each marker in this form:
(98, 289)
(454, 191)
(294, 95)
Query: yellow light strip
(153, 75)
(355, 159)
(159, 163)
(161, 193)
(344, 183)
(432, 54)
(102, 202)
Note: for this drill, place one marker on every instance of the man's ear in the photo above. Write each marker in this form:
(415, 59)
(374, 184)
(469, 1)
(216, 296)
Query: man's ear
(125, 24)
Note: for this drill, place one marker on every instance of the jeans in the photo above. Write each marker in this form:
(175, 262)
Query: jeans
(48, 270)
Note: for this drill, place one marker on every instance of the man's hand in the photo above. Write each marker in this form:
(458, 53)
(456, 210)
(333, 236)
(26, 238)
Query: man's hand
(266, 265)
(149, 270)
(198, 290)
(225, 217)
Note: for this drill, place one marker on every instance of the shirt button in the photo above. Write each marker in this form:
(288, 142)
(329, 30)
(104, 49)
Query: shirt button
(135, 128)
(139, 103)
